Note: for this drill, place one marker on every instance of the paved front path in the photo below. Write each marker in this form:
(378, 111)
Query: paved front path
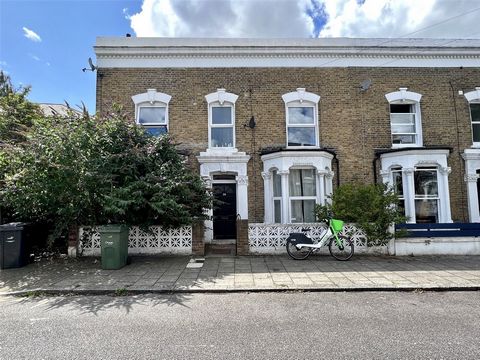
(158, 274)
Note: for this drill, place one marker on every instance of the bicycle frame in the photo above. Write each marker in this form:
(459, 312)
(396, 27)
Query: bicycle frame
(325, 237)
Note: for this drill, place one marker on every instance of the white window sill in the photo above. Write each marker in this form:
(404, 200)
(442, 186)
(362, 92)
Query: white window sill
(400, 146)
(222, 150)
(303, 147)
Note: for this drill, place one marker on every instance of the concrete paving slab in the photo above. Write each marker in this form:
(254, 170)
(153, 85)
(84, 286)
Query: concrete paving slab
(268, 273)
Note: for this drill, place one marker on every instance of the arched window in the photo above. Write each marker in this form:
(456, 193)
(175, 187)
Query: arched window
(301, 110)
(405, 118)
(151, 111)
(221, 119)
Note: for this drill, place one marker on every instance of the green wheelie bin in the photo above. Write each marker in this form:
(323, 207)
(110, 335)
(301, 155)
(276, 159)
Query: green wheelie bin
(114, 244)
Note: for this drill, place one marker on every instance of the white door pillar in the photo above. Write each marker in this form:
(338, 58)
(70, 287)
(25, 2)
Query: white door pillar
(285, 197)
(472, 192)
(267, 196)
(242, 196)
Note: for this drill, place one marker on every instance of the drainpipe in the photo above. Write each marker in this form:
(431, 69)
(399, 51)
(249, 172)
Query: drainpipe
(338, 168)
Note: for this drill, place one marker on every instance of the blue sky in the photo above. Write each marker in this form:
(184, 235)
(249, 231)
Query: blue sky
(61, 33)
(67, 30)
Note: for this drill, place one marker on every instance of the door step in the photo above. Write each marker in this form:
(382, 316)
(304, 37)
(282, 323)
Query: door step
(220, 249)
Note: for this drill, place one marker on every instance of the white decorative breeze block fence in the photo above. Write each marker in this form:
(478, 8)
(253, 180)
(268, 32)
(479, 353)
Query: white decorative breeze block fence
(271, 238)
(157, 241)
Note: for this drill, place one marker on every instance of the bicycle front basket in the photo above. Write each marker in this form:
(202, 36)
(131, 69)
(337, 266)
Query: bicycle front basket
(337, 225)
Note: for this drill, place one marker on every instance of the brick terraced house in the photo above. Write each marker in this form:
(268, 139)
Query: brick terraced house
(274, 125)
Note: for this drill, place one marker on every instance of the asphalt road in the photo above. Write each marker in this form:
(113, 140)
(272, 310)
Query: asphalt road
(371, 325)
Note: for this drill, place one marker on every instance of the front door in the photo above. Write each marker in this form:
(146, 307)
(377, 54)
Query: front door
(225, 211)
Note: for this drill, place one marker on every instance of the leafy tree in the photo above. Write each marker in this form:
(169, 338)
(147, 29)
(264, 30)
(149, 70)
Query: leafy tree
(17, 114)
(373, 207)
(88, 171)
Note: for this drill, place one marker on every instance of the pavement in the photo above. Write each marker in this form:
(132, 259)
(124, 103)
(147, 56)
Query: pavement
(153, 274)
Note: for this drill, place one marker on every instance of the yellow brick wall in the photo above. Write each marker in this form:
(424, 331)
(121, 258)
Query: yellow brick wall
(353, 123)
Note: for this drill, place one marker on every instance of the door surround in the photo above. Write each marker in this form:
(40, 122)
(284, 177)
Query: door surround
(228, 162)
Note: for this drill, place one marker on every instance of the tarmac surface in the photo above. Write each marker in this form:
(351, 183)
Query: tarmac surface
(153, 274)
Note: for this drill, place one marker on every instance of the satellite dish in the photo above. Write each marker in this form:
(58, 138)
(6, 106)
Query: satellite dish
(90, 63)
(365, 85)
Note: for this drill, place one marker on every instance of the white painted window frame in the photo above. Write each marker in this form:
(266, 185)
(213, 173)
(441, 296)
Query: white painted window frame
(407, 97)
(398, 169)
(473, 97)
(302, 98)
(151, 99)
(273, 197)
(416, 197)
(221, 98)
(310, 197)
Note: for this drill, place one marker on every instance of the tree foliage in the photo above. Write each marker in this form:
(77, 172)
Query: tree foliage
(87, 171)
(17, 114)
(373, 207)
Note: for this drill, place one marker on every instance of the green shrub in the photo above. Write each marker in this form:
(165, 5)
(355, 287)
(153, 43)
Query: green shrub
(72, 171)
(374, 208)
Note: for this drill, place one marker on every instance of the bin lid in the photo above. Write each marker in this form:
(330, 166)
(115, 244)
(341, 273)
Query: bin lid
(13, 226)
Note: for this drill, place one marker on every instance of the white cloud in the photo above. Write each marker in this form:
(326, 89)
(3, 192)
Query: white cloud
(289, 18)
(30, 34)
(34, 57)
(406, 18)
(3, 63)
(227, 18)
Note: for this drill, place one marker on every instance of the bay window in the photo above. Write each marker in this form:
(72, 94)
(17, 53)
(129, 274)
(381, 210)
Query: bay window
(419, 178)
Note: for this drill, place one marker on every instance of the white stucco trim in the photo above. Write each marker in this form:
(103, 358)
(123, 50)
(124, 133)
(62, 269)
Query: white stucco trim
(301, 95)
(119, 52)
(234, 163)
(151, 96)
(472, 165)
(410, 159)
(283, 162)
(473, 95)
(402, 96)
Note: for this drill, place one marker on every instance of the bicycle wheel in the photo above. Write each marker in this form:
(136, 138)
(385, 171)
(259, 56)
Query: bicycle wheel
(297, 254)
(343, 252)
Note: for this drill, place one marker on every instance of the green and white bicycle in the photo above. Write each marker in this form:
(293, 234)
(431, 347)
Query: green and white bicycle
(301, 245)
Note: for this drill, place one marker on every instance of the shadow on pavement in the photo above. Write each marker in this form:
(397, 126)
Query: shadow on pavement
(101, 303)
